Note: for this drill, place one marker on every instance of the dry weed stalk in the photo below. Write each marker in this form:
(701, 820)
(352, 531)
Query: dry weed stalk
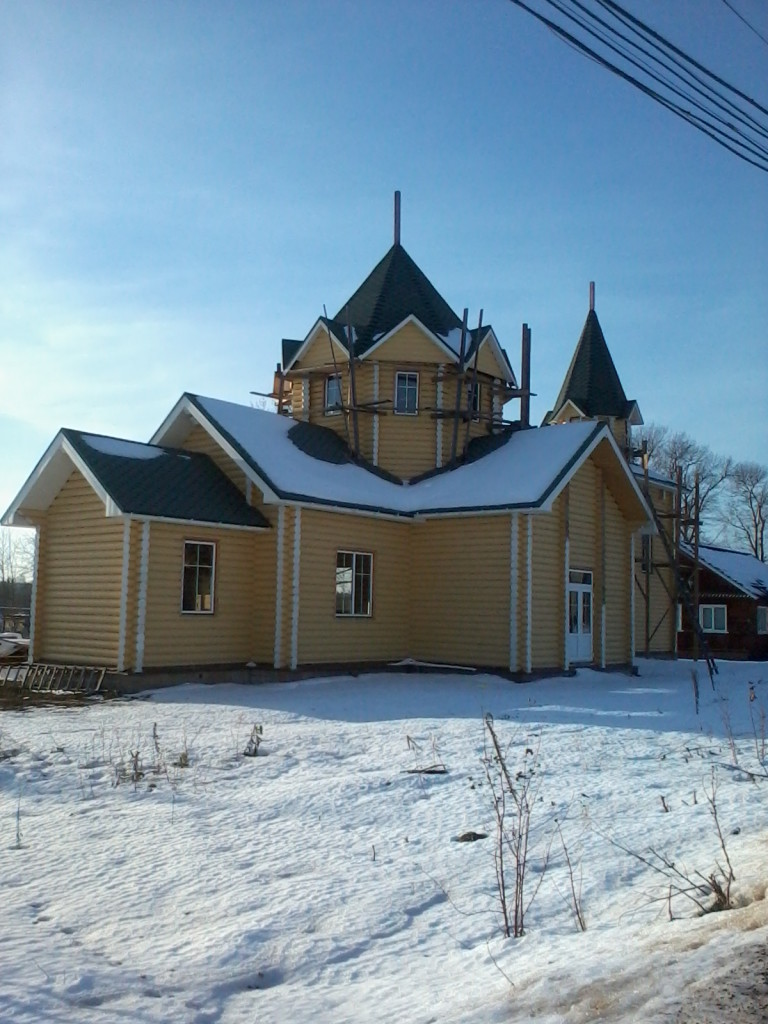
(513, 830)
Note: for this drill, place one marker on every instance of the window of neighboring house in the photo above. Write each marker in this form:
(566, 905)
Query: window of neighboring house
(713, 618)
(333, 402)
(762, 619)
(407, 393)
(198, 577)
(679, 618)
(354, 583)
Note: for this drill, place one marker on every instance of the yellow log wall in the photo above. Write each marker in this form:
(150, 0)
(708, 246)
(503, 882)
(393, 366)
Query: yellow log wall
(617, 584)
(548, 598)
(460, 590)
(80, 569)
(326, 637)
(229, 635)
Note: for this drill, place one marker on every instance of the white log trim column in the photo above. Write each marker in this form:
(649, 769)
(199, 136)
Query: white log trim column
(632, 599)
(277, 660)
(566, 573)
(124, 595)
(295, 588)
(375, 453)
(514, 549)
(33, 596)
(439, 420)
(603, 619)
(528, 594)
(141, 607)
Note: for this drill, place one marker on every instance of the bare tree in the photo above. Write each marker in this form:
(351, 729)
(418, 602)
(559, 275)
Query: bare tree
(17, 553)
(745, 510)
(672, 452)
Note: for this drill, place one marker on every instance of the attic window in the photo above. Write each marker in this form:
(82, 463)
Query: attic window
(333, 402)
(407, 393)
(198, 577)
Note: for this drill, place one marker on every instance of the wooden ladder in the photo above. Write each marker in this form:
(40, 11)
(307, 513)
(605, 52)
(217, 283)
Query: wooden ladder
(40, 677)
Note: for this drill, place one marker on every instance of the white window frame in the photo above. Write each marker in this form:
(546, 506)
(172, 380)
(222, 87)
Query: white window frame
(191, 542)
(329, 409)
(406, 411)
(708, 611)
(762, 613)
(352, 614)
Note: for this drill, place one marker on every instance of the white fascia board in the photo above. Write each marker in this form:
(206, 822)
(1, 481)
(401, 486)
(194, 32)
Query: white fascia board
(318, 327)
(344, 510)
(197, 523)
(411, 319)
(508, 372)
(603, 435)
(111, 507)
(184, 407)
(568, 401)
(47, 479)
(169, 433)
(472, 513)
(635, 418)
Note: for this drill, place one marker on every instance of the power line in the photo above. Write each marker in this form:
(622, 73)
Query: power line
(664, 72)
(684, 88)
(747, 23)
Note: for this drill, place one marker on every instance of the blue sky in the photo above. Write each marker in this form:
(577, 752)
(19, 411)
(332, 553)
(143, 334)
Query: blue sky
(184, 184)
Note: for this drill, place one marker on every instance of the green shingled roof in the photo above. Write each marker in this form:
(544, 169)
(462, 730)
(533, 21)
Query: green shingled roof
(394, 290)
(163, 483)
(592, 383)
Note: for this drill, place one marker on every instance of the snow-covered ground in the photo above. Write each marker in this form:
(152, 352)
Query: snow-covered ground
(322, 880)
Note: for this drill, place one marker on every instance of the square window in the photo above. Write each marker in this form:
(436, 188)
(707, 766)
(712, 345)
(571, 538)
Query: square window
(407, 394)
(198, 577)
(762, 619)
(354, 583)
(333, 400)
(713, 618)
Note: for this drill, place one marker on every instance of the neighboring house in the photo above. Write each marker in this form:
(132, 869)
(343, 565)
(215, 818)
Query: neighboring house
(592, 390)
(351, 530)
(733, 603)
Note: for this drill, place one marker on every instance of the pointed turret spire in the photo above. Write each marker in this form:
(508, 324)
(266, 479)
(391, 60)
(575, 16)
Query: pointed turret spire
(592, 383)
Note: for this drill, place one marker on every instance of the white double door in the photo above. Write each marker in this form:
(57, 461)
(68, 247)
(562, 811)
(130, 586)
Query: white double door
(579, 616)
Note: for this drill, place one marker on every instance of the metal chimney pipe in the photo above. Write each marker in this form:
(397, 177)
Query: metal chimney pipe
(525, 378)
(591, 295)
(397, 218)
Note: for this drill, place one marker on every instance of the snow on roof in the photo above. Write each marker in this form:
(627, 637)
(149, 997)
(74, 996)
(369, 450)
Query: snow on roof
(739, 567)
(121, 448)
(654, 476)
(523, 473)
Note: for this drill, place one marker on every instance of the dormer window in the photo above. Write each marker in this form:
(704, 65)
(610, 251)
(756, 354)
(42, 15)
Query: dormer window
(407, 394)
(333, 402)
